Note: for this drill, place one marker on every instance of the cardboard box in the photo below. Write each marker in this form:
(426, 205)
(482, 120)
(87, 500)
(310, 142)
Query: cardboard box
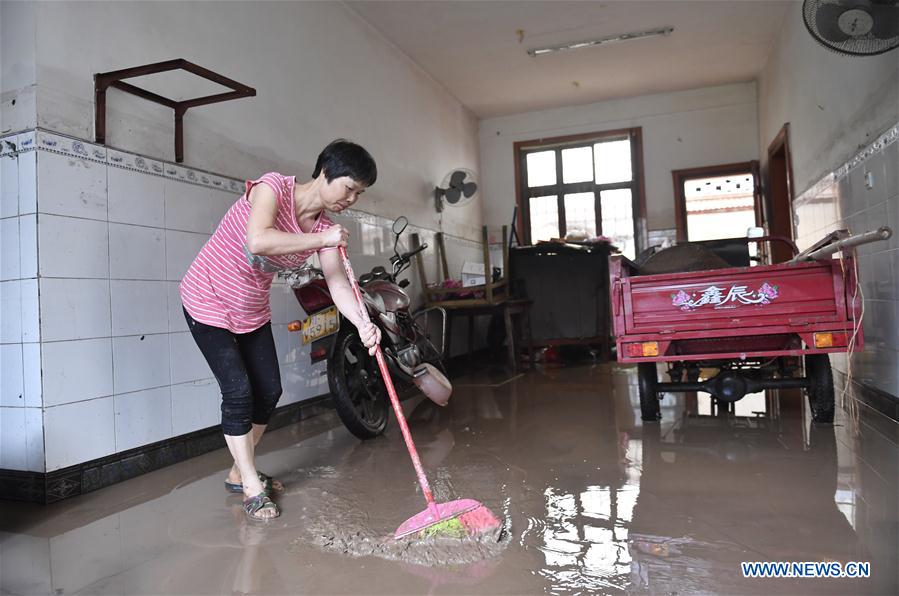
(472, 274)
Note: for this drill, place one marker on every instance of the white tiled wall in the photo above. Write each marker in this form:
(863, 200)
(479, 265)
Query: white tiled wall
(76, 371)
(136, 199)
(135, 252)
(108, 365)
(113, 244)
(195, 404)
(78, 432)
(143, 417)
(21, 414)
(862, 202)
(74, 309)
(21, 438)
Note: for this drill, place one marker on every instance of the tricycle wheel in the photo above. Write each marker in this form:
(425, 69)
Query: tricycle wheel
(820, 392)
(648, 380)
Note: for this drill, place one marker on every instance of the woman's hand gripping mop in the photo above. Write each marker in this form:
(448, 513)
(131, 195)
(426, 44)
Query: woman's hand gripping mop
(459, 518)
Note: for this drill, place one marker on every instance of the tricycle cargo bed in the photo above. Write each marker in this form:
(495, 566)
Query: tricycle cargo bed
(737, 312)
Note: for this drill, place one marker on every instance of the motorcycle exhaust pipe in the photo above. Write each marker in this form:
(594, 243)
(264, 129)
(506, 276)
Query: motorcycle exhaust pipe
(433, 384)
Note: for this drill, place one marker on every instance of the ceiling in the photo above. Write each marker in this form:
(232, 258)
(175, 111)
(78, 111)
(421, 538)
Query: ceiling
(473, 48)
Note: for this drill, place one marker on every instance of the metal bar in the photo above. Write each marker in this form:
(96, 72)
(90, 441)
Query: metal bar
(738, 356)
(146, 69)
(488, 277)
(835, 235)
(882, 233)
(209, 99)
(179, 134)
(454, 305)
(144, 94)
(100, 109)
(424, 313)
(215, 77)
(707, 386)
(102, 81)
(494, 285)
(800, 383)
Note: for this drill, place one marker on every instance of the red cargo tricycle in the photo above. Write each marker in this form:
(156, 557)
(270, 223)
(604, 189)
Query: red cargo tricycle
(738, 330)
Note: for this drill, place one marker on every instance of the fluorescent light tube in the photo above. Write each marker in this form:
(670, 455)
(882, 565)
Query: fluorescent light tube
(589, 43)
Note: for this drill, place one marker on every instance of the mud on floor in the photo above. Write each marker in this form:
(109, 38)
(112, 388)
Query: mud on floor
(341, 525)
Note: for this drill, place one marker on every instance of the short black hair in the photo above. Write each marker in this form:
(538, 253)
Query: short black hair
(345, 158)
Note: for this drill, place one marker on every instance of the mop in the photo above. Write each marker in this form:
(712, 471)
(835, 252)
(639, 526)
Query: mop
(459, 518)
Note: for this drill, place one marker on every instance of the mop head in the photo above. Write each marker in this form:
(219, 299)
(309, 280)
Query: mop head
(479, 522)
(451, 528)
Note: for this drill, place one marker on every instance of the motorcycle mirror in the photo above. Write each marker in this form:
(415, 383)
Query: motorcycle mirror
(400, 224)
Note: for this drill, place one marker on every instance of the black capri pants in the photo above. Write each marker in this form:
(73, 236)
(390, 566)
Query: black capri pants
(246, 368)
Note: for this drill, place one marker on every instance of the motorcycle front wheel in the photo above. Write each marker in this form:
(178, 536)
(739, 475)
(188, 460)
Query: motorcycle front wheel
(360, 397)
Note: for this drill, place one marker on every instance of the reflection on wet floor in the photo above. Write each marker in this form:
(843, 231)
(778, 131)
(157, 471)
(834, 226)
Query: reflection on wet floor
(598, 501)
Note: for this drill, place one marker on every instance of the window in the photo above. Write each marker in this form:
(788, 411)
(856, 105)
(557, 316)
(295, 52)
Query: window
(584, 186)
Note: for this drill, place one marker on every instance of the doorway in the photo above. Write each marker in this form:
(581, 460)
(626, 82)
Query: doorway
(715, 202)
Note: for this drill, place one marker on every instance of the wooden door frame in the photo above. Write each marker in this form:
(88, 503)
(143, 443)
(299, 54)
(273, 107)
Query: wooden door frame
(680, 200)
(775, 202)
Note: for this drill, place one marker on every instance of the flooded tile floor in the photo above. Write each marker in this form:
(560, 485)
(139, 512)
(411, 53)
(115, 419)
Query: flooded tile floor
(598, 501)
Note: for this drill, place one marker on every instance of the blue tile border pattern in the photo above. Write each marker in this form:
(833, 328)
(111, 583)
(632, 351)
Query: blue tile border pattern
(44, 140)
(890, 136)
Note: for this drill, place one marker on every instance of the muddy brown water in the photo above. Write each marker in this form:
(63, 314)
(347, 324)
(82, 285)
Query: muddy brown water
(593, 501)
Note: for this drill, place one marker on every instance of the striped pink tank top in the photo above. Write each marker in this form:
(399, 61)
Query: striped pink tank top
(226, 286)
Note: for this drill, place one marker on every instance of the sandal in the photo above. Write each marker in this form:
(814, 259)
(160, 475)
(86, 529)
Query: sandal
(260, 502)
(268, 485)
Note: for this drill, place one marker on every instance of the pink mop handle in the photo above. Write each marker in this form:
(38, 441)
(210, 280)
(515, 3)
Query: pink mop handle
(394, 400)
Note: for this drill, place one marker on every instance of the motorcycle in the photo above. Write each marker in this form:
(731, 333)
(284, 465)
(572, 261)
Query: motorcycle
(354, 378)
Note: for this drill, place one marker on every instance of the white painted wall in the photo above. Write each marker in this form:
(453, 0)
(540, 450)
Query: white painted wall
(684, 129)
(17, 66)
(320, 73)
(835, 104)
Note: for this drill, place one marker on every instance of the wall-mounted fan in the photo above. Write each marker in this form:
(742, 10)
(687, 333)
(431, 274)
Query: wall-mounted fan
(853, 27)
(459, 187)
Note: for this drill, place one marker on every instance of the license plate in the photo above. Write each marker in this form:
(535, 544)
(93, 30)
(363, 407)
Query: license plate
(319, 325)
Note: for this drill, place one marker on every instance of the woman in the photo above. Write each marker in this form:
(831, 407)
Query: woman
(277, 224)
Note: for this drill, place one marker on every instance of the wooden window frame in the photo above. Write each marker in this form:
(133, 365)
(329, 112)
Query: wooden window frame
(680, 199)
(637, 185)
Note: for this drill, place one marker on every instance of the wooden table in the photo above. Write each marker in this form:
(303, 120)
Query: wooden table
(516, 317)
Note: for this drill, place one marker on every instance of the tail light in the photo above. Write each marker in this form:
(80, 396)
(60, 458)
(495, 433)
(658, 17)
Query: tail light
(831, 339)
(295, 326)
(642, 349)
(314, 296)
